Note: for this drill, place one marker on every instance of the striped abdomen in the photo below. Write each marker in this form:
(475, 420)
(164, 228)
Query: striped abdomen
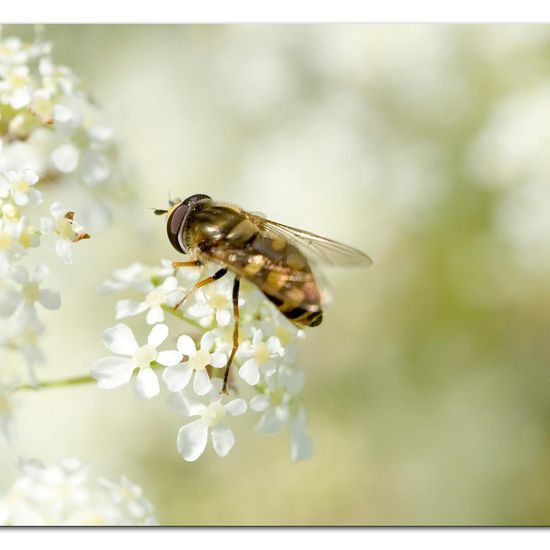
(273, 264)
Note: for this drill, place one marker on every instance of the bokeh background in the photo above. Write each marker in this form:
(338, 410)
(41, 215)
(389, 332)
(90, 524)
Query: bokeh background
(427, 146)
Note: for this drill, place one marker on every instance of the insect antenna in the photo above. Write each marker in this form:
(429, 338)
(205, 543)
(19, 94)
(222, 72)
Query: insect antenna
(159, 211)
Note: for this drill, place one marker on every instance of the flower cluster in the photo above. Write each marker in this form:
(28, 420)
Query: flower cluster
(191, 362)
(50, 132)
(67, 494)
(49, 124)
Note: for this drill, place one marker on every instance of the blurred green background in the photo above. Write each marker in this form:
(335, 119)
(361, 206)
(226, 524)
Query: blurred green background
(427, 146)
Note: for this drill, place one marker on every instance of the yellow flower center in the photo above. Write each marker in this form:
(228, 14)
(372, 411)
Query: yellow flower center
(64, 228)
(199, 360)
(22, 186)
(144, 356)
(213, 414)
(26, 236)
(30, 292)
(261, 353)
(155, 297)
(219, 301)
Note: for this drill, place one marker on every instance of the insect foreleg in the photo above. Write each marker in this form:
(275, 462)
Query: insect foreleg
(191, 263)
(236, 286)
(218, 275)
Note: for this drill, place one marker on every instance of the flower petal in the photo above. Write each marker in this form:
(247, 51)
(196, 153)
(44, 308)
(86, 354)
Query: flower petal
(273, 420)
(222, 439)
(236, 407)
(40, 273)
(169, 284)
(20, 274)
(177, 377)
(186, 345)
(260, 403)
(192, 440)
(64, 250)
(218, 360)
(169, 358)
(112, 372)
(182, 403)
(301, 447)
(50, 299)
(155, 315)
(250, 372)
(207, 341)
(157, 335)
(57, 210)
(146, 384)
(129, 308)
(120, 339)
(223, 317)
(201, 383)
(9, 300)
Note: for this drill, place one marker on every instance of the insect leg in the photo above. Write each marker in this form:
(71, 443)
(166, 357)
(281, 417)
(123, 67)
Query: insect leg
(236, 286)
(218, 275)
(191, 263)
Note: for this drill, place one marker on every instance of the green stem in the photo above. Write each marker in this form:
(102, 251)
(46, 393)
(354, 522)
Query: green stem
(66, 382)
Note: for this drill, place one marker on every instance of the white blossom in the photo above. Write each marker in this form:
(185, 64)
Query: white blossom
(177, 377)
(259, 355)
(114, 371)
(214, 303)
(19, 187)
(193, 437)
(68, 232)
(68, 494)
(263, 363)
(165, 294)
(30, 292)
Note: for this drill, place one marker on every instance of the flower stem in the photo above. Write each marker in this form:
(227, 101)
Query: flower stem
(66, 382)
(57, 383)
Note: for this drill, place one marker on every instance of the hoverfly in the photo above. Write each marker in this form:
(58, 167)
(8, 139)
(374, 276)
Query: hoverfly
(272, 256)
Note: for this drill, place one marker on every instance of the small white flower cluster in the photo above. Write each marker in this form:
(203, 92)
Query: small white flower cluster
(263, 374)
(50, 131)
(22, 228)
(50, 125)
(67, 494)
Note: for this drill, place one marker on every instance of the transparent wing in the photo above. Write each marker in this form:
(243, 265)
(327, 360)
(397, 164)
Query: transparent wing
(314, 246)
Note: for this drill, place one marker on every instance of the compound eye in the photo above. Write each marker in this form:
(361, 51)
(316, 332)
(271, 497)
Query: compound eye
(195, 198)
(174, 224)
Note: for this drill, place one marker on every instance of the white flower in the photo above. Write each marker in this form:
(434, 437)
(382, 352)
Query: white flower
(128, 497)
(112, 372)
(67, 231)
(287, 333)
(280, 407)
(67, 494)
(165, 294)
(259, 354)
(19, 186)
(178, 376)
(21, 333)
(134, 276)
(193, 437)
(15, 86)
(30, 291)
(214, 302)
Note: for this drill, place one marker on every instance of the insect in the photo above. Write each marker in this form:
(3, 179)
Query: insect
(274, 257)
